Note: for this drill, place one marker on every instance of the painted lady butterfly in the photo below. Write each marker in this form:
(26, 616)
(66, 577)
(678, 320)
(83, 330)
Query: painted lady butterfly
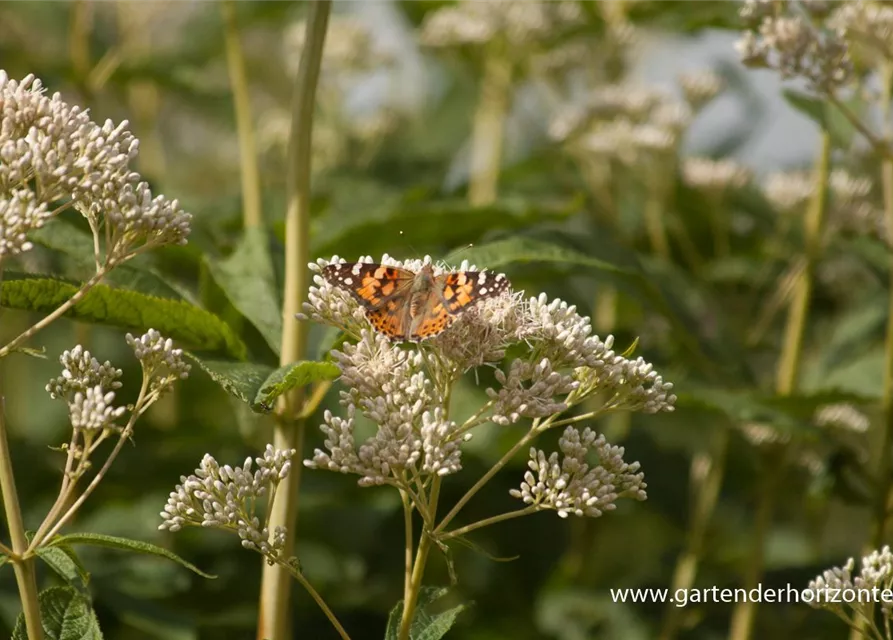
(405, 305)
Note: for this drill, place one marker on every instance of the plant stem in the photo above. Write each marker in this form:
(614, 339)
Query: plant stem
(317, 598)
(251, 198)
(275, 607)
(489, 126)
(486, 522)
(55, 315)
(56, 525)
(407, 531)
(786, 383)
(418, 568)
(530, 435)
(24, 567)
(654, 219)
(707, 470)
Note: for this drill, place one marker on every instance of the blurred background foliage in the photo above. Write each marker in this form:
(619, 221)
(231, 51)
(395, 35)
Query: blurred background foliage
(538, 150)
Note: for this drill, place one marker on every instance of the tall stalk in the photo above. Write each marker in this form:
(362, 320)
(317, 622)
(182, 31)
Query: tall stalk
(275, 609)
(786, 383)
(707, 471)
(885, 463)
(238, 79)
(26, 579)
(489, 126)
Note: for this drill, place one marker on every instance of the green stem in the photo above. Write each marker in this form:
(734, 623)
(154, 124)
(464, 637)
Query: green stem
(786, 383)
(24, 567)
(654, 220)
(418, 568)
(523, 442)
(316, 598)
(55, 315)
(707, 470)
(489, 127)
(275, 605)
(486, 522)
(407, 536)
(251, 198)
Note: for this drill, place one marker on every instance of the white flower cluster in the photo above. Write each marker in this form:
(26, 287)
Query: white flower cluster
(403, 391)
(469, 22)
(20, 212)
(389, 386)
(715, 176)
(161, 362)
(51, 151)
(868, 28)
(88, 386)
(842, 416)
(624, 123)
(93, 411)
(700, 87)
(876, 573)
(226, 498)
(349, 45)
(570, 486)
(81, 371)
(851, 206)
(779, 38)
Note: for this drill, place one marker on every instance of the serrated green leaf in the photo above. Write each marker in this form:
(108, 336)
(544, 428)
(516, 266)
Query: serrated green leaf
(825, 115)
(291, 376)
(136, 274)
(65, 614)
(64, 561)
(249, 283)
(176, 319)
(125, 544)
(425, 625)
(241, 379)
(523, 250)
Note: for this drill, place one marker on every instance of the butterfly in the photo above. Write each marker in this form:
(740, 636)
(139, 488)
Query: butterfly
(407, 305)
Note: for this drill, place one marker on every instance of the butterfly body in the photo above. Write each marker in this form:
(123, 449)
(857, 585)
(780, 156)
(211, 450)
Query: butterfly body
(408, 305)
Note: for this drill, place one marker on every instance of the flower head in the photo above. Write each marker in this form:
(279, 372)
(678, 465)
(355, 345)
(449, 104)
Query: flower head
(52, 151)
(162, 364)
(556, 362)
(568, 485)
(80, 372)
(226, 497)
(92, 410)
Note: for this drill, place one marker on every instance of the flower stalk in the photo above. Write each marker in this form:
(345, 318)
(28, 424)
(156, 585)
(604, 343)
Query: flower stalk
(252, 216)
(24, 567)
(786, 383)
(488, 134)
(275, 607)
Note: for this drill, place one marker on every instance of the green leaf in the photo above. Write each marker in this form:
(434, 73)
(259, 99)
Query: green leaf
(825, 115)
(64, 561)
(247, 279)
(258, 385)
(291, 376)
(65, 614)
(136, 274)
(240, 379)
(790, 415)
(425, 625)
(176, 319)
(523, 250)
(115, 542)
(444, 223)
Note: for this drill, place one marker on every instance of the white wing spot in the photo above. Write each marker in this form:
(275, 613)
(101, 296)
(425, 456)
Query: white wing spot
(348, 281)
(500, 278)
(357, 268)
(482, 277)
(482, 291)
